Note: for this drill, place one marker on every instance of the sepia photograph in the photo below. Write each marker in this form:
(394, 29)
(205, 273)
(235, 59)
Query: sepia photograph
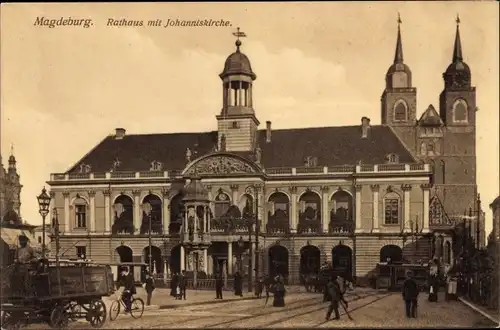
(171, 165)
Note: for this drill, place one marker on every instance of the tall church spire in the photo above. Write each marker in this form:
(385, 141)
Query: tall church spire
(457, 48)
(398, 56)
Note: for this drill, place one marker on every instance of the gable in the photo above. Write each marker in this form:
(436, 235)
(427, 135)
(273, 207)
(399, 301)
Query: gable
(220, 164)
(430, 117)
(437, 214)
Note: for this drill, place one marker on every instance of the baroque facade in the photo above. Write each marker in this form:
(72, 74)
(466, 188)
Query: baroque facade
(352, 195)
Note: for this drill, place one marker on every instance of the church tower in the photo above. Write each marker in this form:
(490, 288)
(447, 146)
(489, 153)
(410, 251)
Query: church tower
(455, 168)
(237, 124)
(399, 99)
(14, 186)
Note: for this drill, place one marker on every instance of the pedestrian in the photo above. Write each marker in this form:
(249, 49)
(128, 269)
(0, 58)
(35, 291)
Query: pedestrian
(219, 283)
(279, 293)
(433, 296)
(173, 285)
(182, 285)
(259, 287)
(149, 286)
(410, 295)
(336, 296)
(238, 290)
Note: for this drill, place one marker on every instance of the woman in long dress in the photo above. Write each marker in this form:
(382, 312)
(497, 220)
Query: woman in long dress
(279, 293)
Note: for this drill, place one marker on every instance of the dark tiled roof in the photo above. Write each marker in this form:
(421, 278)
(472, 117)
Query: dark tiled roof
(288, 148)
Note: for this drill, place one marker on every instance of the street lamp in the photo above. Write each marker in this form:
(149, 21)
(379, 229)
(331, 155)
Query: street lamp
(254, 192)
(148, 209)
(241, 245)
(44, 205)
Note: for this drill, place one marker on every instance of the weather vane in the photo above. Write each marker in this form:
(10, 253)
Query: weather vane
(399, 19)
(458, 19)
(238, 34)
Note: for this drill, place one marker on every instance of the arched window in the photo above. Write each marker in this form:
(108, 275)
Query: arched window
(392, 159)
(460, 111)
(222, 204)
(391, 209)
(80, 213)
(443, 172)
(400, 113)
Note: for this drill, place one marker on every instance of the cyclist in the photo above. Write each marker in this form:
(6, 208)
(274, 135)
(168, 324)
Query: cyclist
(128, 283)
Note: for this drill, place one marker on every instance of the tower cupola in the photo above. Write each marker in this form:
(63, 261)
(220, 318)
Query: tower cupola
(458, 74)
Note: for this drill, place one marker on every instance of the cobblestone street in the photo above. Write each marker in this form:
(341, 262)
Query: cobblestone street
(367, 308)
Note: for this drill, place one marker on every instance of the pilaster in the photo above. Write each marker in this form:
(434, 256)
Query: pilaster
(107, 210)
(66, 212)
(325, 215)
(357, 214)
(234, 190)
(137, 209)
(406, 207)
(166, 210)
(91, 226)
(293, 206)
(375, 192)
(425, 210)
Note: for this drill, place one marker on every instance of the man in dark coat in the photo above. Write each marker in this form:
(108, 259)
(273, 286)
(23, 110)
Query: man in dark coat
(238, 290)
(173, 285)
(336, 296)
(128, 283)
(219, 284)
(183, 284)
(149, 286)
(410, 295)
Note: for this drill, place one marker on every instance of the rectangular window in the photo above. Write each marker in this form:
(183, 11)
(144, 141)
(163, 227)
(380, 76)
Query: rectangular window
(81, 252)
(81, 216)
(235, 124)
(392, 211)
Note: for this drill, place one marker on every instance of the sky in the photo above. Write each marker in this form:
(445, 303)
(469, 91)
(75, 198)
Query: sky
(64, 89)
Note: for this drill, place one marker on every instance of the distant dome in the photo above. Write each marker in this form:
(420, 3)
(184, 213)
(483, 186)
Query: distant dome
(238, 63)
(195, 192)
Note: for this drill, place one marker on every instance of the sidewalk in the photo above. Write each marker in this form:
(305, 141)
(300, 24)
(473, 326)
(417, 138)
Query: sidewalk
(488, 313)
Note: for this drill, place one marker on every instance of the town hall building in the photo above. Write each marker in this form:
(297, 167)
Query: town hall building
(352, 195)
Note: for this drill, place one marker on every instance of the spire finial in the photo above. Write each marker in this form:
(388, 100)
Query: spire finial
(12, 149)
(238, 34)
(457, 49)
(398, 56)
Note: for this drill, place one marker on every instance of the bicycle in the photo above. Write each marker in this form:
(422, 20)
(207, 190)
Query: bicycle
(136, 310)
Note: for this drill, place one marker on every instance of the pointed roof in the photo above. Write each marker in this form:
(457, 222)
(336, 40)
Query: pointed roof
(457, 48)
(430, 117)
(398, 65)
(458, 66)
(437, 213)
(398, 56)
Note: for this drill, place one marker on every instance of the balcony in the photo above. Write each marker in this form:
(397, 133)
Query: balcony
(230, 225)
(270, 172)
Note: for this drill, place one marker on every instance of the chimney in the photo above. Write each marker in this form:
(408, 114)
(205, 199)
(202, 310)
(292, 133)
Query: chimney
(365, 127)
(119, 133)
(268, 131)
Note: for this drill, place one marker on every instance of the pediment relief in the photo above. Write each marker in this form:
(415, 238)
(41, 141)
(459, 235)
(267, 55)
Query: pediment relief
(219, 165)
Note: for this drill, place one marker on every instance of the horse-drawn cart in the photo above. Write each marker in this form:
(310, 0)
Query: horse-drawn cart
(54, 294)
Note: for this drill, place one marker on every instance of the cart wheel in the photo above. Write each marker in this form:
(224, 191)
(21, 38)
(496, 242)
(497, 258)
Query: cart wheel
(137, 308)
(10, 321)
(59, 318)
(114, 310)
(97, 313)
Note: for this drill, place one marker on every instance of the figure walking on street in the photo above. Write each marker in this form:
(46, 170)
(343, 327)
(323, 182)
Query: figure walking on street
(149, 286)
(279, 292)
(410, 296)
(336, 296)
(219, 283)
(182, 285)
(238, 285)
(173, 285)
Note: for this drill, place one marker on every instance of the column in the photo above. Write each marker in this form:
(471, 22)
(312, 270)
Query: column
(166, 210)
(205, 261)
(183, 259)
(92, 210)
(210, 198)
(240, 94)
(375, 192)
(425, 210)
(137, 210)
(224, 96)
(107, 211)
(250, 95)
(230, 95)
(357, 214)
(293, 212)
(325, 203)
(234, 197)
(230, 258)
(254, 252)
(406, 207)
(67, 227)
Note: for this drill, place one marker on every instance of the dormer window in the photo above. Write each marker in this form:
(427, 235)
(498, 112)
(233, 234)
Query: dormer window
(235, 124)
(84, 168)
(310, 161)
(116, 163)
(392, 159)
(156, 166)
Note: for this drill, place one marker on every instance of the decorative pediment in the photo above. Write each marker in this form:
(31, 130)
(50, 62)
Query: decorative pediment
(219, 164)
(430, 117)
(437, 214)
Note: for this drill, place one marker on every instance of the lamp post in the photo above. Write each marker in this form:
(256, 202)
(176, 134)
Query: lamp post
(43, 205)
(241, 246)
(148, 210)
(56, 234)
(254, 191)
